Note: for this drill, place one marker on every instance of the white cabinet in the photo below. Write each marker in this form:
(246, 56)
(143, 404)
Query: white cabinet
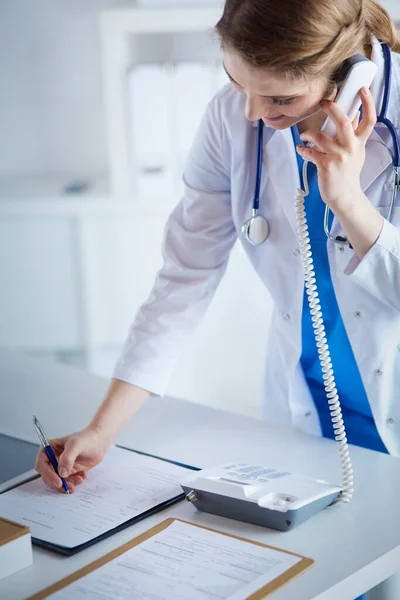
(38, 273)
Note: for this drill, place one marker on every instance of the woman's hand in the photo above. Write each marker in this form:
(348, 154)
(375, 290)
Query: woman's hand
(339, 161)
(76, 454)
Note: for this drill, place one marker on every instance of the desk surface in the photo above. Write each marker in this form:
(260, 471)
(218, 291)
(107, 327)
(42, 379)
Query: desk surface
(355, 546)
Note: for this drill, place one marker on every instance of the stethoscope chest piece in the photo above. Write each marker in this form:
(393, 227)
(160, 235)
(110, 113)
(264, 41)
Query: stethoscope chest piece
(256, 229)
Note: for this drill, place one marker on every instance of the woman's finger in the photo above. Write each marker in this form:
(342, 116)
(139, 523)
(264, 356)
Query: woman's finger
(311, 154)
(75, 480)
(368, 121)
(356, 121)
(43, 466)
(321, 141)
(67, 459)
(71, 487)
(81, 474)
(344, 127)
(53, 482)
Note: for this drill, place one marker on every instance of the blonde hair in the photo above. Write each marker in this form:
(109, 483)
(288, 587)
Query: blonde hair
(303, 39)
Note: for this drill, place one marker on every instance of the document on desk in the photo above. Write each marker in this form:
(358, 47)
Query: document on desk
(184, 561)
(124, 487)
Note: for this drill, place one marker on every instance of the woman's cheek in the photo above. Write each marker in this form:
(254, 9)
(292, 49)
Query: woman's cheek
(304, 111)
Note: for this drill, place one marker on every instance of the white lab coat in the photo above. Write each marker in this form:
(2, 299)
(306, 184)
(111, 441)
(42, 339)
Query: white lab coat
(219, 185)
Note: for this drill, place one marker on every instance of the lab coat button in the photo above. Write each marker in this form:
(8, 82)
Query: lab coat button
(308, 414)
(358, 314)
(286, 316)
(341, 248)
(378, 372)
(390, 421)
(296, 252)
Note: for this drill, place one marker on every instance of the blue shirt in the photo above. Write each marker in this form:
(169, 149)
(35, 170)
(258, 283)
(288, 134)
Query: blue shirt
(359, 423)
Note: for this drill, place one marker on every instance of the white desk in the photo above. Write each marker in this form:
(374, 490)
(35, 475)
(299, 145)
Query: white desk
(355, 546)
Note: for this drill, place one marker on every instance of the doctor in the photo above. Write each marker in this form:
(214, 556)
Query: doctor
(283, 68)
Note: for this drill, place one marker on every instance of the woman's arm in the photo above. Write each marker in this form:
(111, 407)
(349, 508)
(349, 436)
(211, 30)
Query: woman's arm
(120, 404)
(198, 238)
(375, 265)
(361, 222)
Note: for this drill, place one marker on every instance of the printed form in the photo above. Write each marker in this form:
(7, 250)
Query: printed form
(183, 562)
(124, 485)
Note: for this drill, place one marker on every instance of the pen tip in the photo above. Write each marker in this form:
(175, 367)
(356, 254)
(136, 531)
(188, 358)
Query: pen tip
(34, 419)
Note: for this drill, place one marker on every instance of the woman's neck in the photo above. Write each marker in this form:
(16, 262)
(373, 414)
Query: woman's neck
(314, 122)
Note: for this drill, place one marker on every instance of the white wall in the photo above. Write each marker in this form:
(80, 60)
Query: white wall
(51, 113)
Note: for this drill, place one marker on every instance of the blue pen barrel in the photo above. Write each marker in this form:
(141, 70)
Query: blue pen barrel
(52, 458)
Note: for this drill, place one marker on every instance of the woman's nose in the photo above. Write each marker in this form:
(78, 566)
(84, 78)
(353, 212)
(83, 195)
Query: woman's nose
(257, 108)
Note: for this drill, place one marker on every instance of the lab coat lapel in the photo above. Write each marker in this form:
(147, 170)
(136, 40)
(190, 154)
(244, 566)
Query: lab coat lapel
(377, 158)
(281, 172)
(378, 155)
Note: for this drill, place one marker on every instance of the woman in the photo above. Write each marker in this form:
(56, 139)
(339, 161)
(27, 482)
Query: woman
(283, 68)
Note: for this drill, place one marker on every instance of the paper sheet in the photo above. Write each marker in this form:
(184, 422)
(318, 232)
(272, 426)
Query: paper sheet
(185, 562)
(124, 485)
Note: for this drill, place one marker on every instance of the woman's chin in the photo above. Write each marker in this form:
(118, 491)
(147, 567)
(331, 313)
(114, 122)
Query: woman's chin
(282, 123)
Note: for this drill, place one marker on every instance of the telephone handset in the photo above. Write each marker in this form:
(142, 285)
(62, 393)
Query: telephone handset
(356, 72)
(262, 495)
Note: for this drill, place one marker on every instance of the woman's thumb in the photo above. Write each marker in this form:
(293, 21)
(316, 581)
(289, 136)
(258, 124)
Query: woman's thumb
(68, 457)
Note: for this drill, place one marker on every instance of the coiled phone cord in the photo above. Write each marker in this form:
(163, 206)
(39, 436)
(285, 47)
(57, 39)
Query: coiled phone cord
(322, 344)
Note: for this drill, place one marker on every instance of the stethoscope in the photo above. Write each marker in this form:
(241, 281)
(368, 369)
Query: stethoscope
(256, 229)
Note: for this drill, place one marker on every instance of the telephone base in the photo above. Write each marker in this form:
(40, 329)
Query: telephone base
(258, 494)
(241, 510)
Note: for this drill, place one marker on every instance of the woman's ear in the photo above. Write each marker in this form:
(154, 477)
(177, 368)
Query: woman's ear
(331, 91)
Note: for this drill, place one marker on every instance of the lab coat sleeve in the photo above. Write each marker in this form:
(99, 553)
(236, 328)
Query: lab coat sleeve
(379, 271)
(197, 241)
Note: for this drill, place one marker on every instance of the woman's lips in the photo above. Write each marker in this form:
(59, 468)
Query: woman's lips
(274, 119)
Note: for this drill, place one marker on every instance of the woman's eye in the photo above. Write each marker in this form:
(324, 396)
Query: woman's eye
(282, 102)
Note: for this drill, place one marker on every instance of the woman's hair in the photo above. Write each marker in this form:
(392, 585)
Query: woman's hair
(303, 39)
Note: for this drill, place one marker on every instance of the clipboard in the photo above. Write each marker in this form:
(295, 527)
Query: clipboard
(148, 513)
(278, 582)
(70, 551)
(67, 551)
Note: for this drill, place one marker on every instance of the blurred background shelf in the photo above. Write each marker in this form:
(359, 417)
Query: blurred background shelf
(125, 18)
(130, 36)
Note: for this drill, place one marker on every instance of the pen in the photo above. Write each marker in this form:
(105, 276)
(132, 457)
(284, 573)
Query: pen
(49, 451)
